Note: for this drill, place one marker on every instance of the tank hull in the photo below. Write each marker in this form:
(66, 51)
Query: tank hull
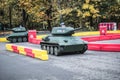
(64, 44)
(18, 37)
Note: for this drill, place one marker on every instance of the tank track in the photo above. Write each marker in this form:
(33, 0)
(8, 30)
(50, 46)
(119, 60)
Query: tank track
(55, 49)
(84, 49)
(18, 39)
(52, 48)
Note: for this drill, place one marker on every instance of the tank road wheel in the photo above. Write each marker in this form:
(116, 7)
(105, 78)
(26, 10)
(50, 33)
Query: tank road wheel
(41, 46)
(48, 49)
(24, 39)
(19, 39)
(44, 47)
(51, 50)
(56, 51)
(14, 40)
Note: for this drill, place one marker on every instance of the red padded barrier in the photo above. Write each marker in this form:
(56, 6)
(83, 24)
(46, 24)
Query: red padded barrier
(115, 36)
(14, 47)
(28, 50)
(94, 46)
(103, 29)
(104, 37)
(94, 38)
(38, 41)
(31, 34)
(30, 54)
(103, 47)
(86, 39)
(16, 51)
(34, 40)
(111, 47)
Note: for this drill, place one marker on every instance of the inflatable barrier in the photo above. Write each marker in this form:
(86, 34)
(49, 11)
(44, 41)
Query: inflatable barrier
(93, 38)
(102, 37)
(34, 53)
(35, 41)
(3, 40)
(32, 38)
(111, 47)
(103, 47)
(93, 46)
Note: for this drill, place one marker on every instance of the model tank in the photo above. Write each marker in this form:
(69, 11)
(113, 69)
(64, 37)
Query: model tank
(19, 34)
(61, 41)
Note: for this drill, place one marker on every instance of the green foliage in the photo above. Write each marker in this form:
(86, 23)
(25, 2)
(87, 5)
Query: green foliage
(76, 13)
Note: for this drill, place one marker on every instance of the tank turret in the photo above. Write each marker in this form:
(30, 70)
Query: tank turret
(64, 31)
(61, 41)
(19, 29)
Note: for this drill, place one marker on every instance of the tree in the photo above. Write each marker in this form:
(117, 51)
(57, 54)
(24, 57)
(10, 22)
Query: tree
(42, 13)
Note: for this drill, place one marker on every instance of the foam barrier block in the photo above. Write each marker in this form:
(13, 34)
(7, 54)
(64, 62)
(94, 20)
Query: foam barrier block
(38, 41)
(8, 47)
(96, 38)
(115, 36)
(111, 47)
(21, 50)
(3, 40)
(94, 46)
(14, 47)
(40, 54)
(93, 38)
(104, 37)
(28, 50)
(35, 53)
(86, 39)
(43, 57)
(30, 54)
(33, 40)
(16, 51)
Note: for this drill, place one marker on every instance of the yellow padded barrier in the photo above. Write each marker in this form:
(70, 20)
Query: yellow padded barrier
(118, 31)
(8, 47)
(40, 36)
(21, 50)
(43, 57)
(88, 33)
(3, 40)
(93, 33)
(40, 54)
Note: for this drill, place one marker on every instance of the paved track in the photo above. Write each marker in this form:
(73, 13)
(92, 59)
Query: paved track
(93, 65)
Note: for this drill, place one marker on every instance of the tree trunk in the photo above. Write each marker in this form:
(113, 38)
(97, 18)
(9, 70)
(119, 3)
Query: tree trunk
(48, 13)
(10, 17)
(49, 25)
(24, 18)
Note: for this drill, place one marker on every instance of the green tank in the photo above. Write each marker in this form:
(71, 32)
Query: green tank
(61, 41)
(19, 34)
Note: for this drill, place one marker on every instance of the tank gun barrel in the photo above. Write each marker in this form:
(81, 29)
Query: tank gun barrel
(76, 29)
